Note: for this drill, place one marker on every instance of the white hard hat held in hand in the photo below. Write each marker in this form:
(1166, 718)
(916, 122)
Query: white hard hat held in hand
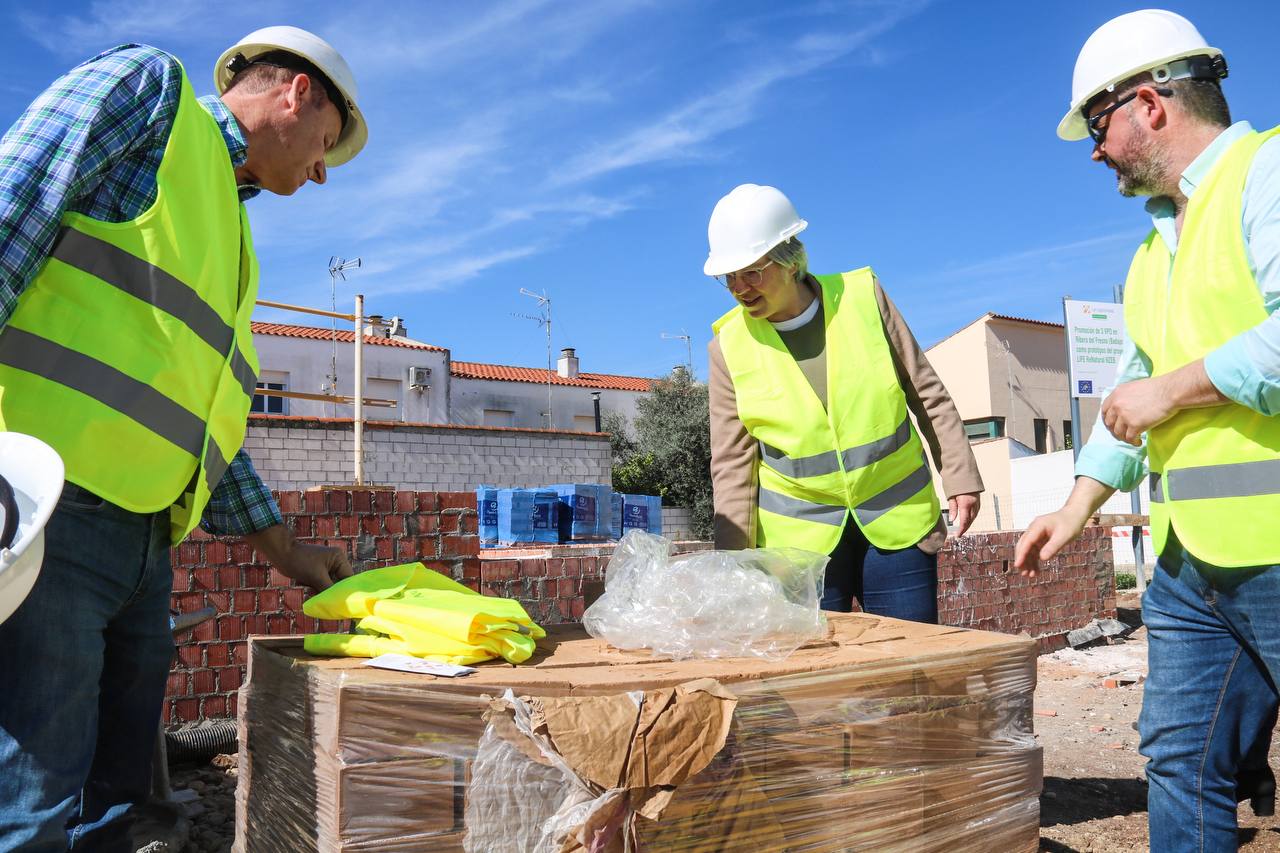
(326, 60)
(1155, 40)
(30, 482)
(746, 224)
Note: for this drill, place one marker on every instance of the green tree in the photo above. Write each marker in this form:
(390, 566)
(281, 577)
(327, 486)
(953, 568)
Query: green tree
(670, 451)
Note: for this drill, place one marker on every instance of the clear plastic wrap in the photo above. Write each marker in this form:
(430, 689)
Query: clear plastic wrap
(884, 736)
(708, 604)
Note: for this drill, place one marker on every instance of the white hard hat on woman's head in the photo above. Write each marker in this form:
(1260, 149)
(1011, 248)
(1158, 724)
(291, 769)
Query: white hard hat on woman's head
(324, 58)
(30, 483)
(746, 224)
(1152, 40)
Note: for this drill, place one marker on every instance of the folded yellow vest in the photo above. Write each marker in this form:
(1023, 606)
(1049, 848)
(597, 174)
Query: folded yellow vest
(413, 610)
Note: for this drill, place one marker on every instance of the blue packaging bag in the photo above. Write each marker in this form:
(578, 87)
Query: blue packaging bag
(528, 515)
(487, 508)
(585, 511)
(615, 515)
(642, 512)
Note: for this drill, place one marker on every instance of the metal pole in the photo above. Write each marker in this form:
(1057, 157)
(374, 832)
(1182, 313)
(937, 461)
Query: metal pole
(595, 401)
(1075, 401)
(1135, 496)
(359, 394)
(550, 420)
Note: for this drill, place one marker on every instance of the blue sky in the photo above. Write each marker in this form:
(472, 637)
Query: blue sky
(578, 147)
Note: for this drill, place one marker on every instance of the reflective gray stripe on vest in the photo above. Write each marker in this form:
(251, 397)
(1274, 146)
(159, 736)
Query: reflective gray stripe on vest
(214, 464)
(243, 373)
(827, 463)
(101, 382)
(800, 466)
(1156, 487)
(872, 508)
(874, 451)
(146, 282)
(803, 510)
(1233, 480)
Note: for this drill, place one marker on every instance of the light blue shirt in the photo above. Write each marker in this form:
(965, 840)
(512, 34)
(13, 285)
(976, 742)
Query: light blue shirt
(1246, 368)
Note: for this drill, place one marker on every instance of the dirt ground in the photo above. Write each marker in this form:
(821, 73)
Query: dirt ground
(1095, 796)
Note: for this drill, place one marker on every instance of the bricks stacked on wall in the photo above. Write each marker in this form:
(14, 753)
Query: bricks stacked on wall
(979, 588)
(379, 528)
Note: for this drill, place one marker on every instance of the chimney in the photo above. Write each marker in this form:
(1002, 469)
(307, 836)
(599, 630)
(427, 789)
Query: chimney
(567, 366)
(374, 327)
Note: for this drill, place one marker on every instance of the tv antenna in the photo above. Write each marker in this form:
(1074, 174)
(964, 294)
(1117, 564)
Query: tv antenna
(688, 343)
(338, 270)
(544, 320)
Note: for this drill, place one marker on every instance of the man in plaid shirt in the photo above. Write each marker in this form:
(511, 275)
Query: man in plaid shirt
(85, 659)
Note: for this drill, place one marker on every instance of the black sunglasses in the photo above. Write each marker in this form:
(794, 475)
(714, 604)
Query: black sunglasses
(1099, 134)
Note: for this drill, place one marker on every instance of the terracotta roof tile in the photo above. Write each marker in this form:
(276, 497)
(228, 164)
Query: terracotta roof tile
(506, 373)
(343, 335)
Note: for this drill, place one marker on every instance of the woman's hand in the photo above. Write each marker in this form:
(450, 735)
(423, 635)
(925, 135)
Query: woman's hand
(962, 510)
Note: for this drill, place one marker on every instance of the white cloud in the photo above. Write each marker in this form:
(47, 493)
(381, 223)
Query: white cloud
(110, 22)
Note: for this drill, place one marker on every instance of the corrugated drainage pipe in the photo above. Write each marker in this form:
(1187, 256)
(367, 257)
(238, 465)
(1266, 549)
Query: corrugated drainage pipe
(201, 743)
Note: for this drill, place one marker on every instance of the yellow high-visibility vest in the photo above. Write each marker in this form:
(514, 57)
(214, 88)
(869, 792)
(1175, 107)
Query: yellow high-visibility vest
(859, 457)
(410, 609)
(1215, 472)
(130, 353)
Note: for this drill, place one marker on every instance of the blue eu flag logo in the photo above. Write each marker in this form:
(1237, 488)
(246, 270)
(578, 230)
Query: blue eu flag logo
(1086, 386)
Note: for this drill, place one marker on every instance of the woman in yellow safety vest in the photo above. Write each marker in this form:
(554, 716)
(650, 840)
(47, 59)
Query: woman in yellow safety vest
(811, 382)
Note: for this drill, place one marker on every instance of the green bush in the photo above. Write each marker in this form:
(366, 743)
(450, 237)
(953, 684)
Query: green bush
(1124, 580)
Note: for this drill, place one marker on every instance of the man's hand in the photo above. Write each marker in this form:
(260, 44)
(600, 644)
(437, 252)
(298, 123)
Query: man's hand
(1045, 536)
(316, 566)
(1135, 407)
(962, 510)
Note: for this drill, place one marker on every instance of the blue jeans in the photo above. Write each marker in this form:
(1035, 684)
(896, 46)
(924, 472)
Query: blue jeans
(83, 666)
(902, 584)
(1210, 695)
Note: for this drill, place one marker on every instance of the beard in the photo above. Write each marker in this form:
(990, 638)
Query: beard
(1146, 167)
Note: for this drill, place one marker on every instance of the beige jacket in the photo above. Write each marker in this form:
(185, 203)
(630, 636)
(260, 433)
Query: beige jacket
(734, 452)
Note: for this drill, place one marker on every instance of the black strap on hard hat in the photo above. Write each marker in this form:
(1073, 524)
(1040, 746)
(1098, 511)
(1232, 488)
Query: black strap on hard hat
(293, 62)
(9, 506)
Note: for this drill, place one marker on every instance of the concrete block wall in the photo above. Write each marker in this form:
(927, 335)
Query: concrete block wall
(297, 453)
(977, 586)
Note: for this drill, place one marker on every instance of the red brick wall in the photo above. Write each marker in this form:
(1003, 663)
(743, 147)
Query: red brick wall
(977, 589)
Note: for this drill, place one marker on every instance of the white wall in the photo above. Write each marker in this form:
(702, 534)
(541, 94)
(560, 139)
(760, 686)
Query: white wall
(298, 454)
(528, 401)
(1040, 484)
(307, 362)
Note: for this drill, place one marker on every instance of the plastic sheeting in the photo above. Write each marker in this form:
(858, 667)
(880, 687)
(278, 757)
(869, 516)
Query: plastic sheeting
(709, 604)
(883, 736)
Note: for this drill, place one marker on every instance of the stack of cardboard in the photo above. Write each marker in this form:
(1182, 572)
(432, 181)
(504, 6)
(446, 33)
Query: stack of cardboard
(887, 735)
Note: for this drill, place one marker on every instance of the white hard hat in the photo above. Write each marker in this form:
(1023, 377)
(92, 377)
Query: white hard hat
(1150, 40)
(327, 61)
(30, 483)
(746, 224)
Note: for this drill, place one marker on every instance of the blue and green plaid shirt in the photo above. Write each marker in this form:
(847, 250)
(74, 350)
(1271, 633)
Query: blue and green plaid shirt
(92, 143)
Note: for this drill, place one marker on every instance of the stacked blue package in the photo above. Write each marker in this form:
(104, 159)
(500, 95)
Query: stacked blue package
(487, 509)
(528, 515)
(585, 511)
(615, 515)
(642, 512)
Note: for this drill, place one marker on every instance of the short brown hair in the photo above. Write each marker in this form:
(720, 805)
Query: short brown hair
(276, 67)
(1201, 99)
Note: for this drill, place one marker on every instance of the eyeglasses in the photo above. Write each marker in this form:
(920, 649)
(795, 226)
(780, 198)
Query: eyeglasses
(748, 277)
(1097, 132)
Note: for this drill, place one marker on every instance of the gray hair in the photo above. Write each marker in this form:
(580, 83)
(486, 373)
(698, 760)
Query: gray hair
(792, 255)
